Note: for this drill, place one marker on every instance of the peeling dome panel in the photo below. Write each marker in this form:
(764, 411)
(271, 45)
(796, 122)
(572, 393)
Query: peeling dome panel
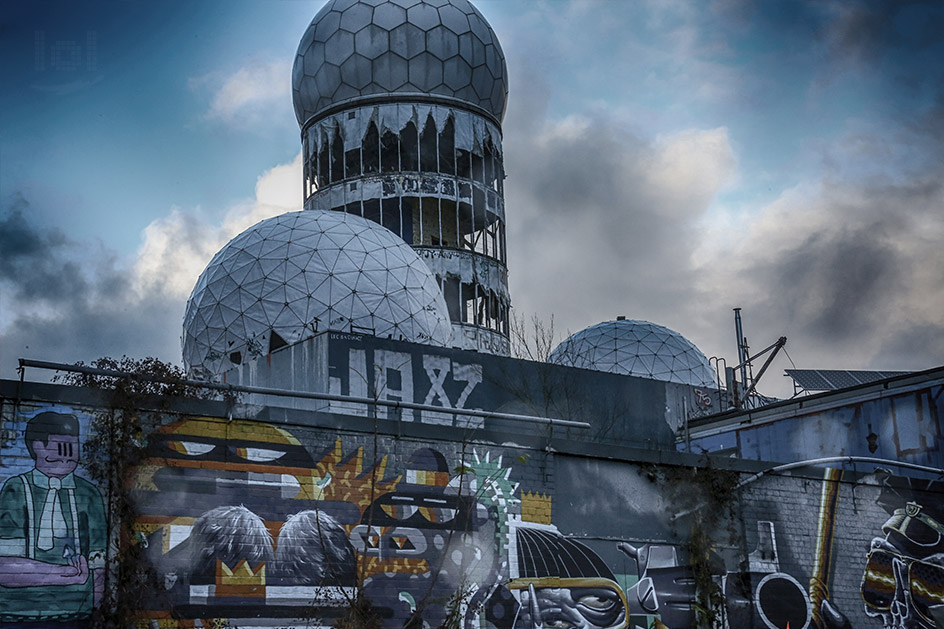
(636, 348)
(291, 276)
(446, 48)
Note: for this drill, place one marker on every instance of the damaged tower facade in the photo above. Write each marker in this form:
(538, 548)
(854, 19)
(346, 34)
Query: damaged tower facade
(400, 107)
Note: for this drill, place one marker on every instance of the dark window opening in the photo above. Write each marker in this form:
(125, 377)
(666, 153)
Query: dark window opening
(353, 208)
(390, 214)
(409, 213)
(489, 165)
(463, 163)
(311, 177)
(450, 289)
(409, 148)
(337, 158)
(478, 168)
(447, 148)
(428, 146)
(389, 152)
(275, 341)
(478, 201)
(352, 162)
(372, 210)
(371, 149)
(324, 162)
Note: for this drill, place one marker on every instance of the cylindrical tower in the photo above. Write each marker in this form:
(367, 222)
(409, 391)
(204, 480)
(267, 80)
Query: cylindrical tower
(400, 104)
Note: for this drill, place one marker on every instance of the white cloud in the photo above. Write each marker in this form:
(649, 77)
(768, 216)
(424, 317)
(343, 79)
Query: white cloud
(67, 301)
(247, 97)
(177, 247)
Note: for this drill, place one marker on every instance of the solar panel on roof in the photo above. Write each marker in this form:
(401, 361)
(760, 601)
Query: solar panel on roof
(809, 379)
(840, 379)
(833, 379)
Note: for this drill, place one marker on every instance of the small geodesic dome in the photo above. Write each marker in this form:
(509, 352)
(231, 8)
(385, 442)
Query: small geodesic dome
(294, 275)
(636, 348)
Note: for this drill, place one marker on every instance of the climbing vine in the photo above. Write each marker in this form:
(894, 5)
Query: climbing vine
(705, 499)
(136, 395)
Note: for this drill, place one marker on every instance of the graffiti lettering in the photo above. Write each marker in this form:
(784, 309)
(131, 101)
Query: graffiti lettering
(396, 376)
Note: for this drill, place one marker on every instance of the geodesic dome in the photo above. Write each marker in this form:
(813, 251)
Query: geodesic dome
(293, 275)
(356, 49)
(636, 348)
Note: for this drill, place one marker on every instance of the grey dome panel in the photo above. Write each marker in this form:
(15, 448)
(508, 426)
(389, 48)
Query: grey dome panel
(430, 47)
(636, 348)
(299, 273)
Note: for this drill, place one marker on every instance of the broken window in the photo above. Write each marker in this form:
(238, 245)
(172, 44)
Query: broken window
(447, 148)
(489, 164)
(428, 149)
(372, 210)
(450, 289)
(408, 217)
(324, 161)
(429, 223)
(371, 149)
(337, 158)
(352, 162)
(463, 163)
(409, 148)
(275, 341)
(389, 152)
(354, 208)
(390, 214)
(478, 168)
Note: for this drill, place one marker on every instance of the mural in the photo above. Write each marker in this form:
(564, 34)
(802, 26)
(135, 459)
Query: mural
(903, 584)
(52, 529)
(254, 525)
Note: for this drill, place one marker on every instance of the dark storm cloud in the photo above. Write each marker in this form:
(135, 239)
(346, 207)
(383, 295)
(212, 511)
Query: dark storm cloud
(601, 219)
(31, 261)
(904, 344)
(860, 290)
(604, 221)
(836, 283)
(864, 31)
(66, 301)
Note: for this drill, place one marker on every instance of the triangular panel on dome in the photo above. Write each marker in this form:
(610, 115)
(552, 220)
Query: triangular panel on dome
(258, 293)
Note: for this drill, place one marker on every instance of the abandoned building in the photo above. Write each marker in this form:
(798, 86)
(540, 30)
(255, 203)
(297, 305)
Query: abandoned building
(370, 438)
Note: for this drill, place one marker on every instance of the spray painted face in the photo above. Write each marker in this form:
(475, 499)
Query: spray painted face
(58, 457)
(901, 583)
(590, 604)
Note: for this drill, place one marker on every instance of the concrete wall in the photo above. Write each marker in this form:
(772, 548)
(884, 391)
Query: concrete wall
(263, 517)
(623, 409)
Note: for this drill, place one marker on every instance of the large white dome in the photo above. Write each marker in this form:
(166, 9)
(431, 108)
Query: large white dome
(364, 49)
(636, 348)
(293, 275)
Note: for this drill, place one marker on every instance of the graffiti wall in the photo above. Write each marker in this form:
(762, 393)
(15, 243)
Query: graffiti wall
(632, 411)
(52, 520)
(255, 524)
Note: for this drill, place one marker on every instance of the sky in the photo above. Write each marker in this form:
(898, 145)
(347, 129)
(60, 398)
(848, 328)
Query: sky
(667, 160)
